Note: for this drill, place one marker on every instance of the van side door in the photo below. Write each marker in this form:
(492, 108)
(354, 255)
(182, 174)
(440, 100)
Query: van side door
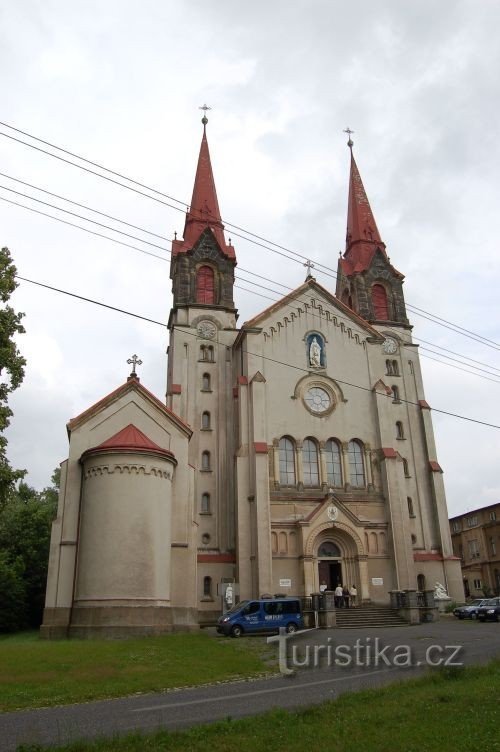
(250, 618)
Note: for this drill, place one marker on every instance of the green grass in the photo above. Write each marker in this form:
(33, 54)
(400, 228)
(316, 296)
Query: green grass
(39, 673)
(449, 710)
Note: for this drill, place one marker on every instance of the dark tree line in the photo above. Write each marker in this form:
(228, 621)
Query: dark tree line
(25, 524)
(25, 514)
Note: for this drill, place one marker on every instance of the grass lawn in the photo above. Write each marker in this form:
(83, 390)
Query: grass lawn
(39, 673)
(455, 710)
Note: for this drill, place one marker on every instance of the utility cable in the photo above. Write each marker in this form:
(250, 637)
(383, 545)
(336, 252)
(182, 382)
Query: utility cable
(248, 352)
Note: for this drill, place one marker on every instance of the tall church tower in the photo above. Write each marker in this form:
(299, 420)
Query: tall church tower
(202, 328)
(367, 282)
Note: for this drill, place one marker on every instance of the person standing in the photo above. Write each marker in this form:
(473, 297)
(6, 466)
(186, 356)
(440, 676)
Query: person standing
(353, 595)
(338, 596)
(345, 596)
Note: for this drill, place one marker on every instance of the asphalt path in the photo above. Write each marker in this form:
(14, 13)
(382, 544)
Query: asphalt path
(334, 661)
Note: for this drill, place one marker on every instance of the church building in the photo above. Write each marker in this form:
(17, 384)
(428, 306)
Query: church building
(294, 451)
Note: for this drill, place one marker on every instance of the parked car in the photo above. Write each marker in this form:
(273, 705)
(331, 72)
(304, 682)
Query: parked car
(490, 611)
(469, 611)
(263, 615)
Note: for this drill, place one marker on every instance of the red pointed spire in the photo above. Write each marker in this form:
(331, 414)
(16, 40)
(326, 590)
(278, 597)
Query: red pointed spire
(362, 237)
(204, 210)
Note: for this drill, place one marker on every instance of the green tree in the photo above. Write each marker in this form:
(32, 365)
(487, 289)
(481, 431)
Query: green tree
(11, 367)
(25, 526)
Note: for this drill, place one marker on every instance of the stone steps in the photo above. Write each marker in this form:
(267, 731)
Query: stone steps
(368, 616)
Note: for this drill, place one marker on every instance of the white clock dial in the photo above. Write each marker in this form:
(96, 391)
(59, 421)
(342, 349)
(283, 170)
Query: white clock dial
(390, 346)
(318, 400)
(206, 330)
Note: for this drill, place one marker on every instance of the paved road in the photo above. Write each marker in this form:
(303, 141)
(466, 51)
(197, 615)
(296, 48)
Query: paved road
(327, 675)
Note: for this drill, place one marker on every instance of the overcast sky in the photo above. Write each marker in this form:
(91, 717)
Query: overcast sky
(121, 82)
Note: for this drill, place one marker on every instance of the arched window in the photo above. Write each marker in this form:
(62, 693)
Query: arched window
(395, 368)
(400, 432)
(205, 503)
(406, 469)
(356, 465)
(410, 506)
(205, 420)
(379, 300)
(207, 587)
(205, 285)
(205, 461)
(310, 463)
(388, 367)
(395, 393)
(328, 548)
(287, 462)
(333, 463)
(205, 382)
(210, 353)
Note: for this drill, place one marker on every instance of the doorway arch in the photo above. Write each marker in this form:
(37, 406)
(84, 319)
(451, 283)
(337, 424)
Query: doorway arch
(335, 538)
(329, 565)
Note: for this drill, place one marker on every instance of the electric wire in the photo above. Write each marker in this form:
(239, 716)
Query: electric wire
(318, 265)
(142, 240)
(248, 352)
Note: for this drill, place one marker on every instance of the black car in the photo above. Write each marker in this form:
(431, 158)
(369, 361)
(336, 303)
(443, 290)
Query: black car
(490, 611)
(469, 611)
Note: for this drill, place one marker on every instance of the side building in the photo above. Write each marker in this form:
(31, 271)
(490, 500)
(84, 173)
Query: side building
(476, 542)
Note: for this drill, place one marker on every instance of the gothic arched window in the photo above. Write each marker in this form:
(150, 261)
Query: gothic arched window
(205, 288)
(205, 420)
(287, 462)
(333, 463)
(205, 461)
(379, 300)
(310, 463)
(356, 465)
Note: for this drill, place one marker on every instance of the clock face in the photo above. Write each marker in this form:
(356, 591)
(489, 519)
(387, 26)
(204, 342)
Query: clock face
(206, 330)
(317, 400)
(390, 346)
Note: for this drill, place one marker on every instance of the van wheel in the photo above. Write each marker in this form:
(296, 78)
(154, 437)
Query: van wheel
(291, 627)
(236, 631)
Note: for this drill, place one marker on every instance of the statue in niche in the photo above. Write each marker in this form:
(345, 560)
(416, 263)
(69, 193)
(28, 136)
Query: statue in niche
(315, 354)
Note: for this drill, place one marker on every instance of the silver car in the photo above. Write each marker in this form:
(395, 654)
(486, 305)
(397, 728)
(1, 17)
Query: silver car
(470, 610)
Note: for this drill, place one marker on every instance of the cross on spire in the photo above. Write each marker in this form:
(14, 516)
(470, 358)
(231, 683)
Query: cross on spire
(309, 264)
(350, 143)
(134, 361)
(204, 119)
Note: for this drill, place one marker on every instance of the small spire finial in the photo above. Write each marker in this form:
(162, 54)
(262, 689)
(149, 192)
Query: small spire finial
(134, 361)
(309, 264)
(204, 119)
(350, 143)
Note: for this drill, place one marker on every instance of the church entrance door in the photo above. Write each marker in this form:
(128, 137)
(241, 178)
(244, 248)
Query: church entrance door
(331, 573)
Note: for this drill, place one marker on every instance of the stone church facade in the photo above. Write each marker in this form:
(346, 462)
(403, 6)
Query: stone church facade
(294, 451)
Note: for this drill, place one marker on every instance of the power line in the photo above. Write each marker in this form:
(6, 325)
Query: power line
(134, 237)
(247, 352)
(320, 266)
